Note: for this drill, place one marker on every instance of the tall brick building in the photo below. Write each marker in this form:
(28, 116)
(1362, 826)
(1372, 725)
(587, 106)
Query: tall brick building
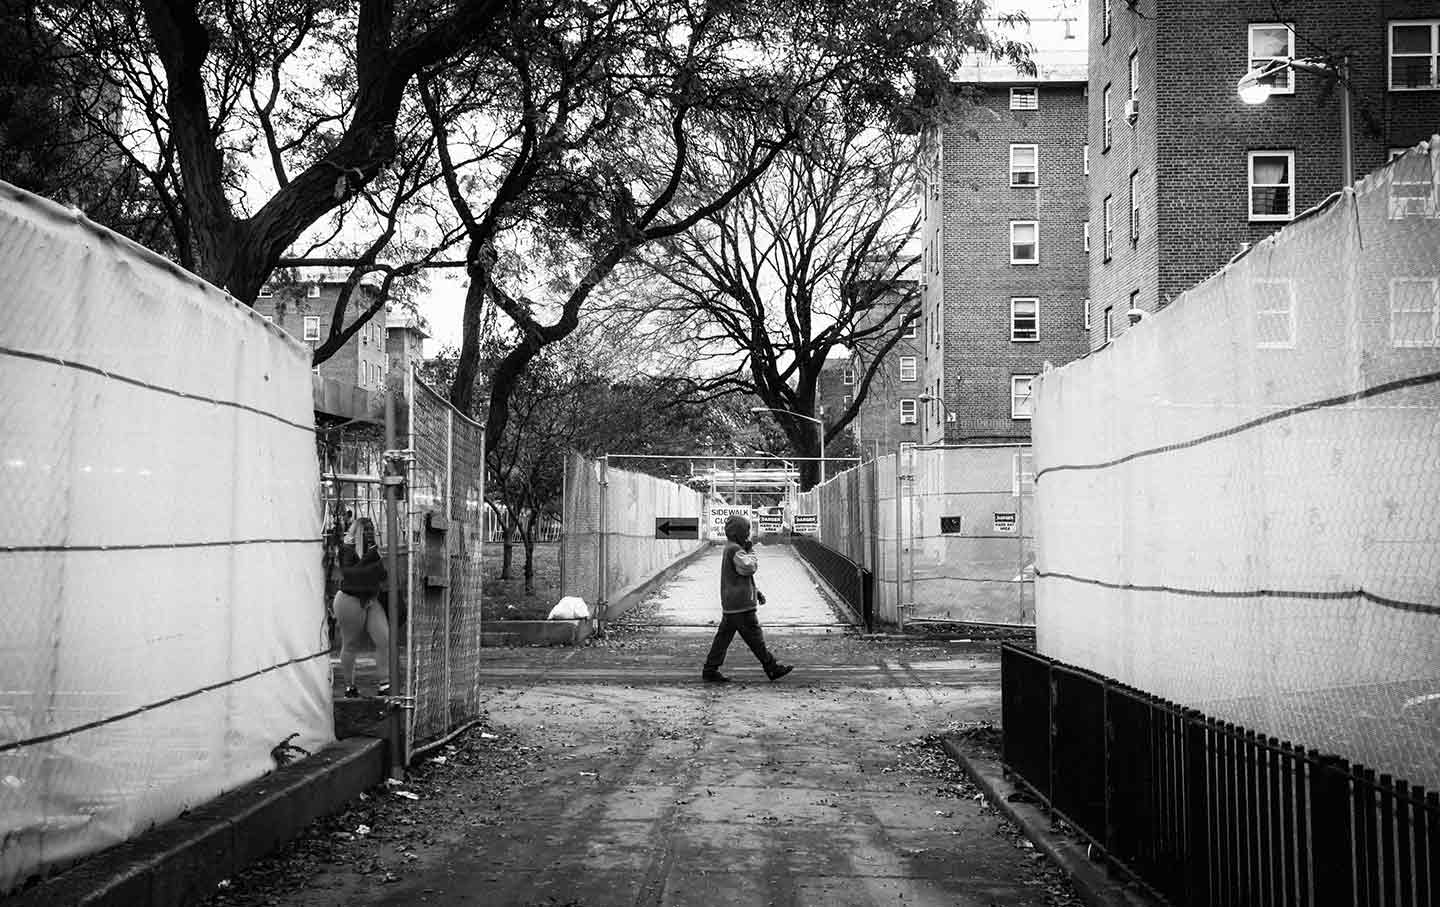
(1004, 248)
(1184, 175)
(889, 417)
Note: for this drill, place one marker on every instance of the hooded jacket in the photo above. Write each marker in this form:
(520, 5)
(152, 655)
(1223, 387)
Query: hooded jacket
(737, 569)
(361, 576)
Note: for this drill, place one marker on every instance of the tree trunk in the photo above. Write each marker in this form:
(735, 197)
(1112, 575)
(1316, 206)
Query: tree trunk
(507, 549)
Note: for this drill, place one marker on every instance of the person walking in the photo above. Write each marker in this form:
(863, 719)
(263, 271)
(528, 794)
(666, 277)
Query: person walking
(739, 599)
(357, 606)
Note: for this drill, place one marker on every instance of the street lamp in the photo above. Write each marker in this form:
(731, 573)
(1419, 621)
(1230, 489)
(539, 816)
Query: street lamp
(928, 397)
(819, 430)
(1253, 89)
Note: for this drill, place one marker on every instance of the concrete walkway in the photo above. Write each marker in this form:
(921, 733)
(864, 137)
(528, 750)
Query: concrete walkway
(794, 601)
(641, 785)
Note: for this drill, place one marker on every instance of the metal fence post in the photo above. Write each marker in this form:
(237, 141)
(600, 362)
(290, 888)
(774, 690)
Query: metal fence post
(1332, 839)
(1197, 819)
(899, 548)
(399, 728)
(603, 547)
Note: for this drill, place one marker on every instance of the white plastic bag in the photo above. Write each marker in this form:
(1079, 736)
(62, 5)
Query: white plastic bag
(570, 607)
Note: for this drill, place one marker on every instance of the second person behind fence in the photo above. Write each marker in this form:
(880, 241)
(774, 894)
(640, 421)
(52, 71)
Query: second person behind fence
(357, 606)
(738, 602)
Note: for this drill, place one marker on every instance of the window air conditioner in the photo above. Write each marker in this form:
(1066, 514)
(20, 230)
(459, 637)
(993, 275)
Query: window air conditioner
(1132, 110)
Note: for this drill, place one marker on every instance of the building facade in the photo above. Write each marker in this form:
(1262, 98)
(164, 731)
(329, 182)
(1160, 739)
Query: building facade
(889, 417)
(1003, 250)
(303, 308)
(1184, 175)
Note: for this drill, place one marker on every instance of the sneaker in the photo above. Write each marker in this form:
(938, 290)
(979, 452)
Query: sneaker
(779, 670)
(352, 693)
(383, 690)
(714, 677)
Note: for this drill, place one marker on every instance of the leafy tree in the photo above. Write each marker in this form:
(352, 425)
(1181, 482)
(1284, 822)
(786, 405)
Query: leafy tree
(631, 123)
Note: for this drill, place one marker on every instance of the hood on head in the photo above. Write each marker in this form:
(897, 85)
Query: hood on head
(737, 528)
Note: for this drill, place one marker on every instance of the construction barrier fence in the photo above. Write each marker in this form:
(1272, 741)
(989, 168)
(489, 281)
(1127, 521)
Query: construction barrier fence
(165, 628)
(1239, 498)
(445, 524)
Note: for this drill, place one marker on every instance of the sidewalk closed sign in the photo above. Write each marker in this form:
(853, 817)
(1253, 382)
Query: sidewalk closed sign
(719, 513)
(1005, 522)
(806, 523)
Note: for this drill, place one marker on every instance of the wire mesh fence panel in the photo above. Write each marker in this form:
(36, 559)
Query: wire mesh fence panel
(580, 542)
(634, 502)
(467, 509)
(446, 493)
(1239, 500)
(971, 536)
(164, 628)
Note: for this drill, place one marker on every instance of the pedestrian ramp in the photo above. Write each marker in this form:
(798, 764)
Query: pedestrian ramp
(795, 602)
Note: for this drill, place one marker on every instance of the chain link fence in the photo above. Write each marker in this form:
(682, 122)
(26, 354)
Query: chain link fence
(1239, 499)
(444, 522)
(947, 533)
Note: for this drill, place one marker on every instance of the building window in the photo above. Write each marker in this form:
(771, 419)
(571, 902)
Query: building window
(1415, 55)
(1109, 323)
(1025, 98)
(312, 327)
(1087, 236)
(1268, 41)
(1024, 165)
(1105, 124)
(1274, 314)
(1085, 158)
(1087, 313)
(907, 368)
(907, 412)
(1135, 206)
(1134, 75)
(1415, 311)
(1272, 185)
(845, 401)
(266, 293)
(1024, 320)
(1134, 303)
(1020, 403)
(1024, 242)
(1106, 230)
(1413, 191)
(912, 330)
(1105, 20)
(847, 377)
(314, 291)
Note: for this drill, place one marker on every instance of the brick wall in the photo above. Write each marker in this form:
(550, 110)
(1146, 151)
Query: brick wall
(974, 357)
(365, 352)
(1191, 141)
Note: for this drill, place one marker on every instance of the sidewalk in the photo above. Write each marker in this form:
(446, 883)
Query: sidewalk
(610, 775)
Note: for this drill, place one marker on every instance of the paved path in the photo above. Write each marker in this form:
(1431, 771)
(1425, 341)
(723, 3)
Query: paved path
(636, 785)
(793, 598)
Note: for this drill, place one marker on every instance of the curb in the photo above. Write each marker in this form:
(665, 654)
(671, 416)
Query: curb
(1096, 887)
(181, 861)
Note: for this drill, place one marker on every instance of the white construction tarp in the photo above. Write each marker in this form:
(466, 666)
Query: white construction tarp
(163, 607)
(1236, 499)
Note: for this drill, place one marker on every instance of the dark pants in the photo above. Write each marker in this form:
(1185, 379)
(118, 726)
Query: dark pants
(747, 624)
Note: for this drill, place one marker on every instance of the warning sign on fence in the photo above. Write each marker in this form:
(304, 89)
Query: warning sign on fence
(719, 513)
(1005, 522)
(807, 523)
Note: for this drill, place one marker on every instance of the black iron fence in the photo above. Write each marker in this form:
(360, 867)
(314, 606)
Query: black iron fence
(1209, 813)
(851, 582)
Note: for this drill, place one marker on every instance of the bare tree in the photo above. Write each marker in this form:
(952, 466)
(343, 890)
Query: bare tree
(817, 256)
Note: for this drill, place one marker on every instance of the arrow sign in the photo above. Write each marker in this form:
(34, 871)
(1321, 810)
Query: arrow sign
(677, 527)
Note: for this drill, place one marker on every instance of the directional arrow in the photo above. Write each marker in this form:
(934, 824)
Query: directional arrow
(677, 527)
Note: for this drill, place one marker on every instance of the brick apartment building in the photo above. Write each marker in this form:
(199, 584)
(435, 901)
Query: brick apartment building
(1184, 175)
(1004, 257)
(348, 384)
(889, 418)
